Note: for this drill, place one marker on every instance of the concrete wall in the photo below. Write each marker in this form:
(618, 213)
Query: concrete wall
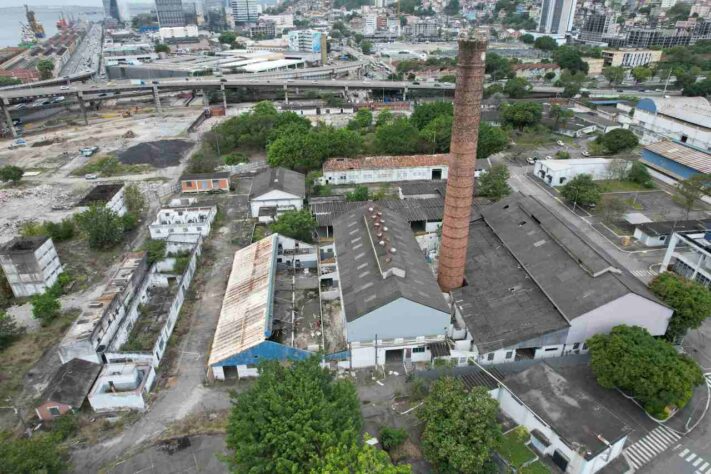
(553, 175)
(661, 125)
(118, 202)
(366, 356)
(382, 175)
(31, 273)
(204, 185)
(182, 221)
(401, 318)
(130, 381)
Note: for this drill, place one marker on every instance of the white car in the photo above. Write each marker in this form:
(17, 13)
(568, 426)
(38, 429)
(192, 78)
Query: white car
(585, 153)
(91, 176)
(549, 157)
(531, 160)
(560, 143)
(64, 88)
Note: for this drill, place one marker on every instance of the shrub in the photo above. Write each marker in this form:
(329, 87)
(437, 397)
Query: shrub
(235, 158)
(45, 307)
(562, 155)
(391, 438)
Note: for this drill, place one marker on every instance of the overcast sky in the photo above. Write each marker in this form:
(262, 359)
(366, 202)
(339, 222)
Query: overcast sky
(37, 3)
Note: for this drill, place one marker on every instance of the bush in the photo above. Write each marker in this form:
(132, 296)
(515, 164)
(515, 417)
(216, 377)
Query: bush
(562, 155)
(60, 231)
(135, 201)
(45, 307)
(360, 193)
(639, 174)
(103, 226)
(9, 331)
(391, 438)
(11, 173)
(129, 221)
(155, 250)
(65, 426)
(235, 158)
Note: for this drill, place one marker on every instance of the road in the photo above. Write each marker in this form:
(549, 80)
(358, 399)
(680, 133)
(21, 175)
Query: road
(87, 56)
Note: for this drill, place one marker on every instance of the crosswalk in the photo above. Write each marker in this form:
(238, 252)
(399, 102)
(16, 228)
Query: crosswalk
(645, 275)
(649, 447)
(697, 462)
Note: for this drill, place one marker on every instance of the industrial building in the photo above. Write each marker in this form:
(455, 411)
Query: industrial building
(682, 119)
(276, 190)
(676, 160)
(538, 289)
(689, 255)
(205, 182)
(30, 264)
(385, 169)
(67, 389)
(122, 387)
(560, 172)
(182, 220)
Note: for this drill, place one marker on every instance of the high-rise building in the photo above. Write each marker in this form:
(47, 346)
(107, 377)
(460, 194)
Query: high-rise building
(170, 13)
(245, 11)
(596, 27)
(191, 14)
(556, 16)
(111, 9)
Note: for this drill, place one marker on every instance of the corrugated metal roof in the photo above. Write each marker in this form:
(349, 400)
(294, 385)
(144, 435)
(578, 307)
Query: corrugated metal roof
(687, 156)
(385, 162)
(246, 308)
(412, 210)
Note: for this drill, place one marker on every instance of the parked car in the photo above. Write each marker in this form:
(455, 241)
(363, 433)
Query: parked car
(89, 150)
(549, 157)
(531, 160)
(560, 143)
(585, 153)
(90, 176)
(64, 88)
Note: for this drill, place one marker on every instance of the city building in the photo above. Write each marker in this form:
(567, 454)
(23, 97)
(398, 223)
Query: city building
(305, 40)
(282, 21)
(244, 11)
(596, 27)
(689, 255)
(559, 172)
(128, 53)
(276, 190)
(526, 270)
(170, 13)
(205, 182)
(175, 34)
(31, 265)
(264, 29)
(393, 307)
(182, 220)
(67, 389)
(422, 30)
(676, 160)
(385, 169)
(534, 71)
(595, 66)
(630, 57)
(112, 196)
(370, 24)
(557, 16)
(111, 9)
(683, 119)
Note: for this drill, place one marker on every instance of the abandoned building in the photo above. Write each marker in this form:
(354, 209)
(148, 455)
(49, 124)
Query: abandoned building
(537, 289)
(254, 323)
(122, 387)
(67, 388)
(110, 195)
(206, 182)
(276, 190)
(385, 169)
(182, 220)
(31, 265)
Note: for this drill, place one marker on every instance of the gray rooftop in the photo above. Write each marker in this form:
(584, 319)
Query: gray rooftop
(429, 186)
(373, 275)
(572, 413)
(667, 227)
(412, 210)
(20, 245)
(71, 383)
(280, 179)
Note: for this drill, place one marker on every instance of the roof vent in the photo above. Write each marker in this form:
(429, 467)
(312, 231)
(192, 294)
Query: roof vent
(377, 224)
(380, 234)
(276, 180)
(385, 228)
(382, 242)
(393, 250)
(370, 209)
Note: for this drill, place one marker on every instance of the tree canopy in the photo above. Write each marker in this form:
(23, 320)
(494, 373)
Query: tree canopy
(649, 369)
(522, 114)
(690, 300)
(426, 112)
(299, 225)
(11, 173)
(397, 138)
(545, 43)
(498, 67)
(517, 87)
(494, 183)
(39, 454)
(618, 140)
(103, 227)
(614, 74)
(689, 191)
(9, 330)
(45, 67)
(581, 190)
(569, 57)
(460, 429)
(491, 140)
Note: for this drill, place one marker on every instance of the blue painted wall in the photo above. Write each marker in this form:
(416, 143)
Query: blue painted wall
(674, 168)
(267, 350)
(647, 105)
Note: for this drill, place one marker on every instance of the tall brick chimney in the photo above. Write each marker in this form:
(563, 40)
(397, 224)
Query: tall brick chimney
(460, 182)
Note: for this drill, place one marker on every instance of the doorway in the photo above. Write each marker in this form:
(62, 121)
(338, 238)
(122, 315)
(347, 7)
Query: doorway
(394, 356)
(560, 460)
(436, 174)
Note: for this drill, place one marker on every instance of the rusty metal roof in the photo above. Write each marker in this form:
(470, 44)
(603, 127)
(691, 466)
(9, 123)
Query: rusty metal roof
(685, 155)
(245, 318)
(385, 162)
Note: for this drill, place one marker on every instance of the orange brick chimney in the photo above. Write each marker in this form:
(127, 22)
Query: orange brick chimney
(460, 181)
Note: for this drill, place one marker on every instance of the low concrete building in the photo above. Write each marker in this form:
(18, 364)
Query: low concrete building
(276, 190)
(683, 119)
(67, 389)
(656, 234)
(122, 386)
(628, 57)
(385, 169)
(182, 220)
(560, 172)
(676, 160)
(535, 71)
(206, 182)
(110, 195)
(31, 265)
(689, 255)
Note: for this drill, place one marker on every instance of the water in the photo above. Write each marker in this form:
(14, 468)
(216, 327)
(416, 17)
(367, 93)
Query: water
(11, 17)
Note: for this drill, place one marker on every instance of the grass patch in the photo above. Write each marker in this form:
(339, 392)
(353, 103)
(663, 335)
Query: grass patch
(106, 166)
(513, 450)
(535, 468)
(633, 204)
(616, 185)
(260, 232)
(531, 137)
(24, 353)
(198, 424)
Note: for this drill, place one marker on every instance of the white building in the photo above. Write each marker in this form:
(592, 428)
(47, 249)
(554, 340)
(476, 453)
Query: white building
(122, 386)
(557, 16)
(385, 169)
(628, 57)
(560, 172)
(182, 220)
(276, 190)
(685, 119)
(281, 22)
(370, 24)
(112, 196)
(178, 33)
(31, 265)
(245, 11)
(305, 40)
(689, 255)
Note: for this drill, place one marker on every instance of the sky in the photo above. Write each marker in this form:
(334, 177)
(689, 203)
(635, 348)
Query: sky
(36, 3)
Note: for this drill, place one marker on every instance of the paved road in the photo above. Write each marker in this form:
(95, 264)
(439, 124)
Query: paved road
(87, 55)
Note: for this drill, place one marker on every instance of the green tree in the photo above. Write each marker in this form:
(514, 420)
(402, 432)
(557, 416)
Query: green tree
(427, 112)
(155, 250)
(639, 174)
(299, 225)
(614, 74)
(679, 12)
(11, 173)
(491, 140)
(641, 73)
(618, 140)
(135, 201)
(290, 418)
(227, 37)
(549, 76)
(493, 89)
(359, 193)
(438, 134)
(143, 19)
(9, 81)
(366, 47)
(690, 300)
(357, 459)
(517, 87)
(391, 438)
(494, 183)
(60, 231)
(545, 43)
(460, 429)
(527, 38)
(385, 117)
(689, 191)
(9, 331)
(569, 57)
(162, 48)
(649, 369)
(362, 121)
(235, 158)
(452, 8)
(581, 190)
(40, 454)
(498, 67)
(522, 114)
(559, 115)
(45, 67)
(103, 227)
(45, 307)
(398, 138)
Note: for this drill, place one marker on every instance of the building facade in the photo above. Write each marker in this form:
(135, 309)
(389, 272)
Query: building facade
(203, 183)
(630, 57)
(170, 13)
(557, 16)
(182, 220)
(385, 169)
(31, 265)
(305, 40)
(276, 190)
(689, 255)
(683, 119)
(560, 172)
(244, 11)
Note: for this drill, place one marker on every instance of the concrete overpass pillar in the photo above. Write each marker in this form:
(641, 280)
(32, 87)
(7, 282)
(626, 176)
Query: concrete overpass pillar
(404, 94)
(224, 97)
(4, 105)
(345, 92)
(156, 99)
(82, 107)
(286, 95)
(205, 98)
